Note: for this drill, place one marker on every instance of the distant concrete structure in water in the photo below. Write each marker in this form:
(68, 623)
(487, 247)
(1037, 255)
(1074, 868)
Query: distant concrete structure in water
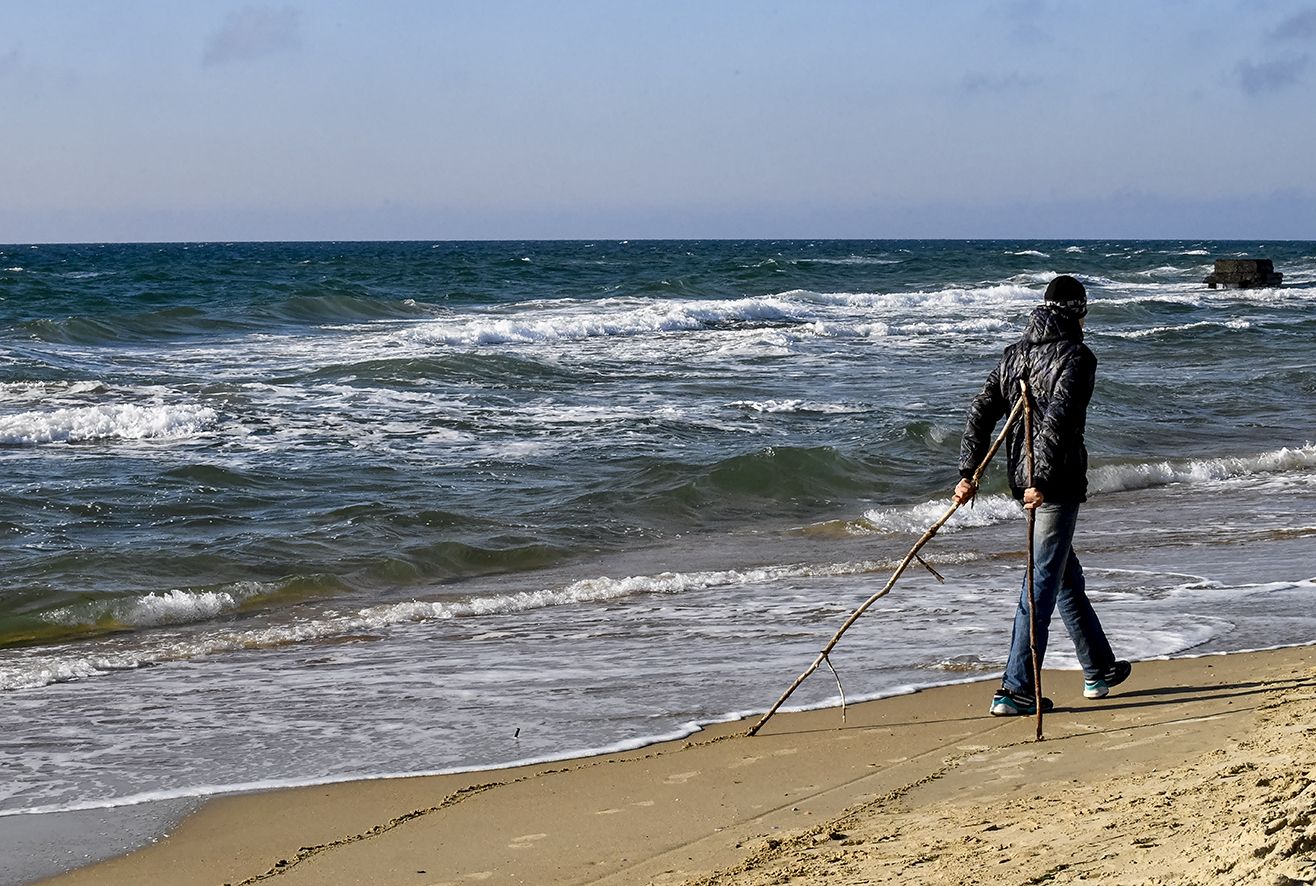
(1243, 273)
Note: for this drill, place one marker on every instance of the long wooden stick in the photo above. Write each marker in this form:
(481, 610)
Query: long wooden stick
(1032, 521)
(909, 558)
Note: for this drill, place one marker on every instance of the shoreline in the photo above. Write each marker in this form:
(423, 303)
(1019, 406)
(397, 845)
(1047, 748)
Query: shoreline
(202, 795)
(711, 805)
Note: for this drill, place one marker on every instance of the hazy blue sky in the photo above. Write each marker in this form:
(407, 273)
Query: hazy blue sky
(133, 119)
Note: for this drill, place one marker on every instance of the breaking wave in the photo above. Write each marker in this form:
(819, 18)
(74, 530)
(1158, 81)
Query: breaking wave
(171, 607)
(32, 669)
(985, 510)
(992, 509)
(1121, 478)
(657, 317)
(791, 406)
(815, 312)
(1156, 331)
(108, 422)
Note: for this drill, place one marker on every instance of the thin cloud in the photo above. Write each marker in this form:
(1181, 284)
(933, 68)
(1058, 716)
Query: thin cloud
(1025, 19)
(1299, 26)
(254, 32)
(9, 61)
(976, 82)
(1275, 75)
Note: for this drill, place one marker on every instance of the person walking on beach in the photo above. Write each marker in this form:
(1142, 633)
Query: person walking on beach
(1060, 371)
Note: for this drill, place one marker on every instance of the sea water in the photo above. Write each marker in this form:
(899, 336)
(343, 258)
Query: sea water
(291, 513)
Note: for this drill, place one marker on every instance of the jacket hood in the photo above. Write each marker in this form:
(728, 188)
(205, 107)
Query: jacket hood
(1050, 322)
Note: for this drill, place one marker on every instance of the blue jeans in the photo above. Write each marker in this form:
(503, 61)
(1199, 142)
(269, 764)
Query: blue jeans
(1057, 581)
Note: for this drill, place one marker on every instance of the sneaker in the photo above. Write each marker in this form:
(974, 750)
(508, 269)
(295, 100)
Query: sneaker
(1013, 704)
(1112, 676)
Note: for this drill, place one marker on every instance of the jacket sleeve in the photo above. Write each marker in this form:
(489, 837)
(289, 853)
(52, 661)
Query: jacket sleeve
(1063, 419)
(984, 412)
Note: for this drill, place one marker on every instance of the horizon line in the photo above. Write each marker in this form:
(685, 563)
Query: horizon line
(625, 240)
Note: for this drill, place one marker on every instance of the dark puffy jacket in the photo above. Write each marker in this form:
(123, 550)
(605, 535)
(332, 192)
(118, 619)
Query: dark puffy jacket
(1060, 371)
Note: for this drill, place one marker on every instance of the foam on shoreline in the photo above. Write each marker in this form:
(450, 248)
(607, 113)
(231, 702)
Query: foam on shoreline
(202, 792)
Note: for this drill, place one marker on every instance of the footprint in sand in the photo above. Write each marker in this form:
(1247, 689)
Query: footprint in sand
(525, 841)
(743, 762)
(680, 777)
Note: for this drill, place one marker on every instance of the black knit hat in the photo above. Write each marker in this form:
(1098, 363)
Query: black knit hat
(1067, 293)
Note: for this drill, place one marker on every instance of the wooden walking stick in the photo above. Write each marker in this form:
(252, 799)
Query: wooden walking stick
(900, 569)
(1032, 518)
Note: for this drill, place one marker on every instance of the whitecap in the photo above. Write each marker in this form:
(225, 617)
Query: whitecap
(37, 668)
(536, 323)
(654, 317)
(854, 260)
(1163, 271)
(105, 422)
(789, 406)
(985, 510)
(170, 607)
(1161, 330)
(1119, 478)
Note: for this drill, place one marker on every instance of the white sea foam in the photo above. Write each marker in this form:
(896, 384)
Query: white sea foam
(107, 422)
(1154, 294)
(1119, 478)
(756, 343)
(1034, 277)
(1074, 249)
(1215, 299)
(1147, 645)
(1196, 252)
(46, 391)
(34, 669)
(796, 406)
(854, 260)
(1032, 252)
(955, 327)
(14, 269)
(1094, 281)
(171, 607)
(950, 298)
(843, 330)
(532, 323)
(1161, 330)
(990, 510)
(603, 320)
(986, 510)
(915, 330)
(1163, 271)
(176, 607)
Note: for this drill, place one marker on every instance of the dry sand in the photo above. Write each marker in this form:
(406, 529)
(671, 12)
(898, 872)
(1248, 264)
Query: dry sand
(1196, 771)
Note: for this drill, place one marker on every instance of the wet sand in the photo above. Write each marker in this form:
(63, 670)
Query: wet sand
(1195, 771)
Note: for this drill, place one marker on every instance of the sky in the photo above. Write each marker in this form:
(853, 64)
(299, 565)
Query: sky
(526, 119)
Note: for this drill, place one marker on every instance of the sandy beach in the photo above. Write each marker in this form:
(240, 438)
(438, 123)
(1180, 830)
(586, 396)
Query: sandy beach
(1197, 771)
